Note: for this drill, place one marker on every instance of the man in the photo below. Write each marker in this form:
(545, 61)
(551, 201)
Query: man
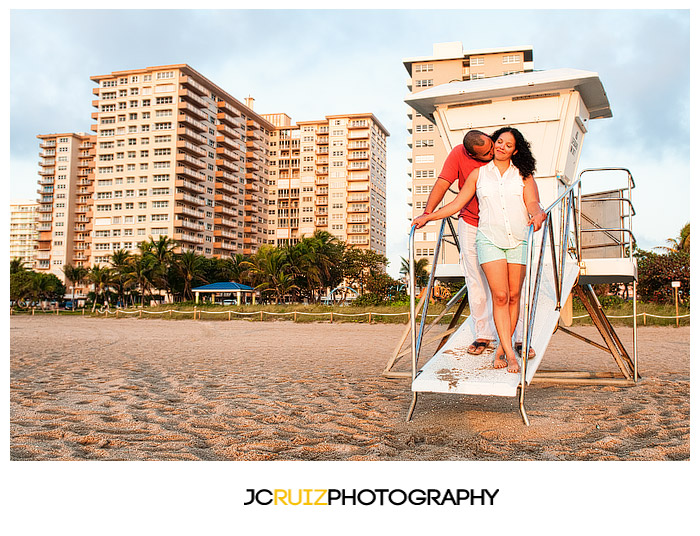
(475, 151)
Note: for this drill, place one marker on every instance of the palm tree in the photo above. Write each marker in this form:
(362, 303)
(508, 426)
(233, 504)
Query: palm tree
(45, 287)
(163, 251)
(271, 267)
(120, 261)
(420, 270)
(140, 273)
(17, 265)
(190, 266)
(102, 279)
(681, 243)
(234, 269)
(76, 275)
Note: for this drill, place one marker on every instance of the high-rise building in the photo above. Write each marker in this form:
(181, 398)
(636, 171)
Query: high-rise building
(329, 174)
(64, 216)
(448, 63)
(176, 155)
(23, 231)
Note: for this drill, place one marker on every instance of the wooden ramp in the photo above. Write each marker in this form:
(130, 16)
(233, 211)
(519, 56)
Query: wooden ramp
(453, 370)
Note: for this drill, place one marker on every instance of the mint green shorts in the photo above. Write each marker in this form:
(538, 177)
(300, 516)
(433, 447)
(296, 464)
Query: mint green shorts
(487, 251)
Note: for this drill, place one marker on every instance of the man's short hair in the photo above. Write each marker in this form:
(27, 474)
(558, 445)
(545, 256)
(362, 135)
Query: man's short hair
(472, 139)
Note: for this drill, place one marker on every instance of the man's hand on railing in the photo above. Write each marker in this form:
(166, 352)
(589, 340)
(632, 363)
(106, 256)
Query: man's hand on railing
(421, 220)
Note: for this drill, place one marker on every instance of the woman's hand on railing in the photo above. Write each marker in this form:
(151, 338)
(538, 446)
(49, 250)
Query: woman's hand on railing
(537, 220)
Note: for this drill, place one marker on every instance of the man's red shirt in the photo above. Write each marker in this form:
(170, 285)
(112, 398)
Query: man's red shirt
(457, 167)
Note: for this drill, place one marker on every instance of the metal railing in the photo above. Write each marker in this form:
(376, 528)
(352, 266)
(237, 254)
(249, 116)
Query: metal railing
(568, 201)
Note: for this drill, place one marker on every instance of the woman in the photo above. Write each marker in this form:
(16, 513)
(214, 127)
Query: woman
(508, 204)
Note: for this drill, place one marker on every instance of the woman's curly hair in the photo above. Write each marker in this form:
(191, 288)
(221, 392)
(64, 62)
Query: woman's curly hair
(523, 159)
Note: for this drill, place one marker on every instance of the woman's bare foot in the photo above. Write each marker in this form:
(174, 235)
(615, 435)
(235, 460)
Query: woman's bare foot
(512, 364)
(500, 358)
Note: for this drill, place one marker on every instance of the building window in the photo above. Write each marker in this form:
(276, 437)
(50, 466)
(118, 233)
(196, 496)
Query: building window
(511, 58)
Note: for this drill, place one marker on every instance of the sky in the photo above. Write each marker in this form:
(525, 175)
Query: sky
(311, 63)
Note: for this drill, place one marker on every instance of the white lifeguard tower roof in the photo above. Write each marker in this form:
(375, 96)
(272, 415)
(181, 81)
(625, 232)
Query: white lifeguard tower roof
(586, 83)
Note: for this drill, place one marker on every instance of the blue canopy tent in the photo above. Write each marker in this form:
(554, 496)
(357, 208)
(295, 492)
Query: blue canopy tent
(225, 287)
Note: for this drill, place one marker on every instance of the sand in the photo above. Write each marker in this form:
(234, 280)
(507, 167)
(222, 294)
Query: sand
(155, 389)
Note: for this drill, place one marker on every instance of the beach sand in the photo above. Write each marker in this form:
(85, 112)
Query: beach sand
(155, 389)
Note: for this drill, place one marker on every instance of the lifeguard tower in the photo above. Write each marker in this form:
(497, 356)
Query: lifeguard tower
(586, 239)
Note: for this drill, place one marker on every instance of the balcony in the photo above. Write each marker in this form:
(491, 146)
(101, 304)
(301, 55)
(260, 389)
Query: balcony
(226, 154)
(224, 233)
(182, 170)
(358, 166)
(190, 148)
(190, 186)
(187, 237)
(192, 97)
(353, 177)
(221, 174)
(228, 119)
(250, 155)
(185, 133)
(358, 134)
(195, 86)
(251, 166)
(184, 157)
(187, 121)
(226, 165)
(186, 210)
(193, 225)
(225, 129)
(358, 123)
(252, 125)
(358, 208)
(322, 140)
(225, 106)
(225, 187)
(220, 219)
(358, 155)
(223, 198)
(254, 146)
(227, 140)
(358, 145)
(323, 170)
(358, 230)
(187, 198)
(226, 213)
(196, 113)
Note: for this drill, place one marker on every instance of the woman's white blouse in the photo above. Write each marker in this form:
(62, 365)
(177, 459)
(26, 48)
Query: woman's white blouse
(502, 213)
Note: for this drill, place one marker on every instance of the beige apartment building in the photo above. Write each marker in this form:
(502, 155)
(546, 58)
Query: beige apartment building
(176, 155)
(172, 154)
(64, 215)
(448, 63)
(23, 231)
(329, 174)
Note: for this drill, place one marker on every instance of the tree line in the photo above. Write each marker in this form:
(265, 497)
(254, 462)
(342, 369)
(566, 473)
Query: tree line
(304, 271)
